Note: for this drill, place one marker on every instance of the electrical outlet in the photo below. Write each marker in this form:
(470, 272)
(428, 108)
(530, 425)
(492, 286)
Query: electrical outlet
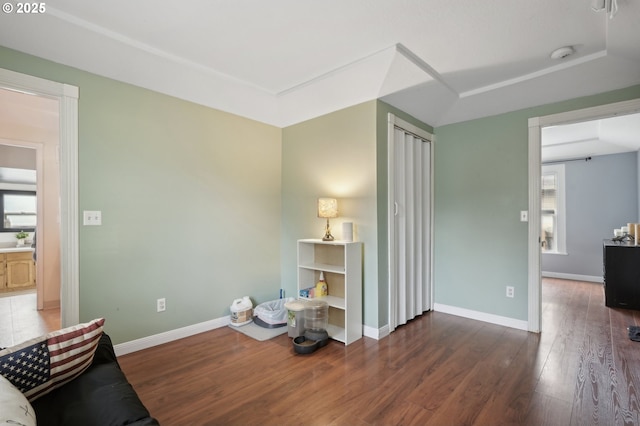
(510, 291)
(162, 305)
(524, 216)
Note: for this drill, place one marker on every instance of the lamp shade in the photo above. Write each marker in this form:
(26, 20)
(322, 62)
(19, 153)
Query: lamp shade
(327, 207)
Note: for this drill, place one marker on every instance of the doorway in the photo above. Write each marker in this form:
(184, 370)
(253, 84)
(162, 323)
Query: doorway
(67, 98)
(535, 169)
(21, 205)
(29, 139)
(590, 187)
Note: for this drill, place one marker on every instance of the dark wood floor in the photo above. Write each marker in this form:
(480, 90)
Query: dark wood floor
(437, 370)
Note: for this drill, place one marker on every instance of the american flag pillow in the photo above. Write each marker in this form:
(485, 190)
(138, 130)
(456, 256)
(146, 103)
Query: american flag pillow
(44, 363)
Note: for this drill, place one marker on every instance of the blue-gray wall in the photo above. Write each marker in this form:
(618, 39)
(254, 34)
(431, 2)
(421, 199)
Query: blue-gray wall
(601, 194)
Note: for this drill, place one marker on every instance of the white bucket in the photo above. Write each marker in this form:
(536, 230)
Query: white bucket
(241, 311)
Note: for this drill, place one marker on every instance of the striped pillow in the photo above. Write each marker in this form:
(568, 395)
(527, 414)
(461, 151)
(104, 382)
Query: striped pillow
(42, 364)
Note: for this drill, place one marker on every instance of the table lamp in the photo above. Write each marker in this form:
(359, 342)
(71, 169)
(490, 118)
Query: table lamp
(327, 208)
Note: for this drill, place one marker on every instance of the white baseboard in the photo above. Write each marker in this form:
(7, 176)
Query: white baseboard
(481, 316)
(575, 277)
(181, 333)
(375, 333)
(170, 336)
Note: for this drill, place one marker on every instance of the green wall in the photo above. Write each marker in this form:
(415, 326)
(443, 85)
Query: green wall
(333, 155)
(190, 201)
(344, 155)
(481, 184)
(201, 206)
(480, 187)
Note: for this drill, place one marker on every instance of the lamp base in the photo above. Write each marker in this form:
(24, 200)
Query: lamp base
(327, 233)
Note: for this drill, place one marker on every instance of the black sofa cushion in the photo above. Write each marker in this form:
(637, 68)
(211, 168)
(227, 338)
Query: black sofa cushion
(100, 396)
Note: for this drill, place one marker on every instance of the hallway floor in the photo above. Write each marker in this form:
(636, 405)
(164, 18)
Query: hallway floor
(20, 320)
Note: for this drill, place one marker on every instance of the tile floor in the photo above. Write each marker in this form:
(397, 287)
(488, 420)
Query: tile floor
(20, 320)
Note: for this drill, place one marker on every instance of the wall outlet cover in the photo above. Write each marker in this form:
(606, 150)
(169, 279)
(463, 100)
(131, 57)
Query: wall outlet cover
(92, 217)
(524, 216)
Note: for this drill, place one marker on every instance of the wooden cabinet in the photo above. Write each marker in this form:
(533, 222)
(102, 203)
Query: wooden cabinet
(17, 271)
(621, 275)
(341, 264)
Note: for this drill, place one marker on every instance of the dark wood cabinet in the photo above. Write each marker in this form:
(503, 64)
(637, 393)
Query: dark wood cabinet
(621, 275)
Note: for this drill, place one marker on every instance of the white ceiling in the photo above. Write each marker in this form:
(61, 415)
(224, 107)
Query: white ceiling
(285, 61)
(612, 135)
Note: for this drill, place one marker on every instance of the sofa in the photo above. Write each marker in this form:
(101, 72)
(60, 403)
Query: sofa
(98, 395)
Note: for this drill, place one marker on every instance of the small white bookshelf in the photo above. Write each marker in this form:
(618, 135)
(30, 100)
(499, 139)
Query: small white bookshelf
(341, 264)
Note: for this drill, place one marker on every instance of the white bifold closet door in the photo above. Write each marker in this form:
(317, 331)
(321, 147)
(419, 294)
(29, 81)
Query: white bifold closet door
(410, 270)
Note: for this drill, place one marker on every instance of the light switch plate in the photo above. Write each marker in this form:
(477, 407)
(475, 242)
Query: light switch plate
(524, 216)
(92, 218)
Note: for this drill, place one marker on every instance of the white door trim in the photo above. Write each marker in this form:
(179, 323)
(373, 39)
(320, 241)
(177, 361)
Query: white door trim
(67, 96)
(535, 126)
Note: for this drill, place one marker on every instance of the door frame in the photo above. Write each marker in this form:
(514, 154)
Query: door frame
(392, 122)
(535, 169)
(67, 96)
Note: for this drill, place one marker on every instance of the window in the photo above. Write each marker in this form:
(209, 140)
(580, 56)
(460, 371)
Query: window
(552, 204)
(18, 211)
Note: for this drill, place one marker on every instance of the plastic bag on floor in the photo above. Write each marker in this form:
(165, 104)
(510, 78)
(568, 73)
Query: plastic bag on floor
(272, 314)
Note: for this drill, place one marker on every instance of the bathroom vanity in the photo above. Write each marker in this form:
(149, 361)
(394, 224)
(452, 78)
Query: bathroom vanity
(17, 269)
